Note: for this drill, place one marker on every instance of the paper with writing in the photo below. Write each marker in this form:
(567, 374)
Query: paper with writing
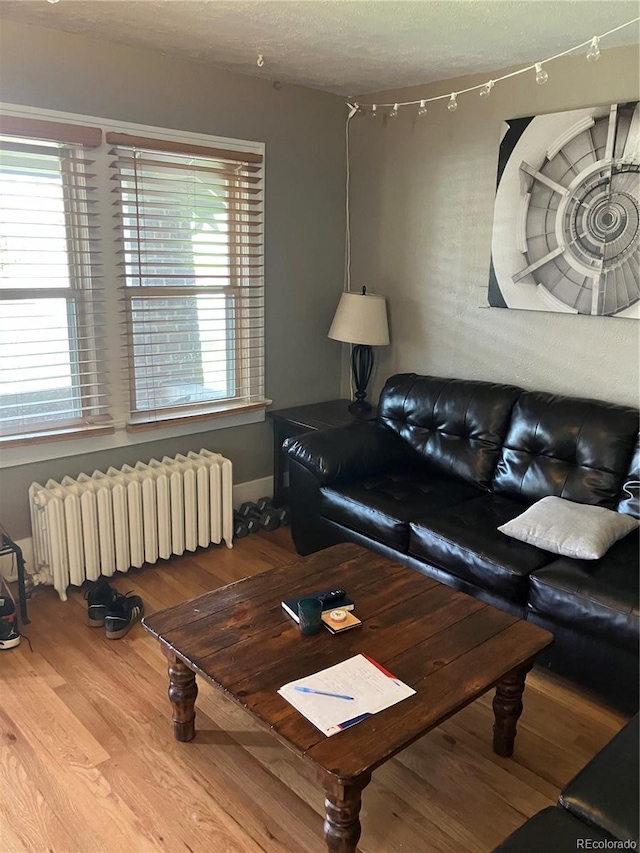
(372, 690)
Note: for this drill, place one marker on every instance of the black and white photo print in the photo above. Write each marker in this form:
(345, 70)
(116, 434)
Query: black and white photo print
(566, 228)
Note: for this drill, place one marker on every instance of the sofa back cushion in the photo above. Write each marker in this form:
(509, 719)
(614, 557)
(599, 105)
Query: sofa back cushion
(454, 425)
(568, 447)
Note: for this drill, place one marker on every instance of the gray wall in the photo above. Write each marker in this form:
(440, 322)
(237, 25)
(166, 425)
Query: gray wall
(422, 208)
(303, 131)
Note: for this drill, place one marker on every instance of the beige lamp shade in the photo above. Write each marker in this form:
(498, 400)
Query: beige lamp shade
(361, 318)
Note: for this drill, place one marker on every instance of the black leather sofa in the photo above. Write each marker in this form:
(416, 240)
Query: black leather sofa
(599, 806)
(445, 463)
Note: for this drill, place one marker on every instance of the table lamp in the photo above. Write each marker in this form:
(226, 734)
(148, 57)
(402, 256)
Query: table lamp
(361, 320)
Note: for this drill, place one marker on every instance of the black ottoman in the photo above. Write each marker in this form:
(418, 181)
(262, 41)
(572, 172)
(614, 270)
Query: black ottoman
(552, 830)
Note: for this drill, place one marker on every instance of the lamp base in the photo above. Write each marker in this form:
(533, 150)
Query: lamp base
(360, 408)
(361, 365)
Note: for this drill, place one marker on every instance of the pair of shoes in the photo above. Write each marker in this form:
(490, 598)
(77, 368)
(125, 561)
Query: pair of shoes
(9, 631)
(99, 597)
(122, 615)
(118, 613)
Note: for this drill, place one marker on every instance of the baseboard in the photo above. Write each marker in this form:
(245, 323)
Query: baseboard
(249, 491)
(252, 490)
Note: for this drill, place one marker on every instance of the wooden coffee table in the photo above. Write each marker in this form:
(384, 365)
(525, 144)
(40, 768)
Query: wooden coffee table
(449, 647)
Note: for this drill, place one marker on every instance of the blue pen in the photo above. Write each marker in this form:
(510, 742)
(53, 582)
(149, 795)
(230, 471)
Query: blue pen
(322, 693)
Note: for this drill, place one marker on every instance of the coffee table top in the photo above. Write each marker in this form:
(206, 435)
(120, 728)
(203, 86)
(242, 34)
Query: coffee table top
(451, 648)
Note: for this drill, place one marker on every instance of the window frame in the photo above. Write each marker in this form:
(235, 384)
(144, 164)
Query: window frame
(86, 391)
(236, 180)
(124, 431)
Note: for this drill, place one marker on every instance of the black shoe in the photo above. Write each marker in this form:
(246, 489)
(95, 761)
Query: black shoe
(122, 614)
(9, 632)
(99, 597)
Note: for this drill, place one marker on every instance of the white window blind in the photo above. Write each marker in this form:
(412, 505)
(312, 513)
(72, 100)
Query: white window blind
(51, 298)
(189, 225)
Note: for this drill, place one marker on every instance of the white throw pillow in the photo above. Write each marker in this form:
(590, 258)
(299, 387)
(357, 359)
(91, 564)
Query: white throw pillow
(571, 529)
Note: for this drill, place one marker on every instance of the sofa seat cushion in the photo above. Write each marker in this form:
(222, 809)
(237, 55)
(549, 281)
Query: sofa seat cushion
(381, 507)
(597, 597)
(553, 830)
(465, 541)
(606, 792)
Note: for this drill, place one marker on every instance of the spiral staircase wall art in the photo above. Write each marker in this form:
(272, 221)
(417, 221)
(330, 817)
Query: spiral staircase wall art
(566, 230)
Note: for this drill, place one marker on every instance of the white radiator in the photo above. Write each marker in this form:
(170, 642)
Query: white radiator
(102, 523)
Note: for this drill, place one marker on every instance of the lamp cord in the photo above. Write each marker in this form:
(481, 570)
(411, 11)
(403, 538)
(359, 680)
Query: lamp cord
(347, 236)
(347, 220)
(631, 484)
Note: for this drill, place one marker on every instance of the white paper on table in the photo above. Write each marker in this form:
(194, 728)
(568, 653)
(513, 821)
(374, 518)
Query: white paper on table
(373, 689)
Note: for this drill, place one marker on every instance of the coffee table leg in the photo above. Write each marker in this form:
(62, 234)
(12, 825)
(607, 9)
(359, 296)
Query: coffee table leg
(342, 808)
(182, 695)
(507, 707)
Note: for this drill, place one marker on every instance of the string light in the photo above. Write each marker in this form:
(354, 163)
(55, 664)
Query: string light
(484, 89)
(394, 111)
(541, 74)
(593, 54)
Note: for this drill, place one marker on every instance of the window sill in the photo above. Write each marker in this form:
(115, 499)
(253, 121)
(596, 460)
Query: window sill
(178, 419)
(72, 434)
(28, 454)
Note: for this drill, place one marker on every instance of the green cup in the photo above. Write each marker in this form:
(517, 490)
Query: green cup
(310, 613)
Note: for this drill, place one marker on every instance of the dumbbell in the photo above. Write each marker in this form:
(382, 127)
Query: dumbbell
(240, 528)
(269, 519)
(251, 515)
(243, 526)
(260, 514)
(246, 510)
(281, 513)
(284, 514)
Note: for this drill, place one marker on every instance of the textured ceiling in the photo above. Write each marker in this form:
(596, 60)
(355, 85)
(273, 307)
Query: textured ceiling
(342, 46)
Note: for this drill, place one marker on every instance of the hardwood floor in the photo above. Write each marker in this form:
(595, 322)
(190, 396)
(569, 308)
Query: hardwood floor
(88, 761)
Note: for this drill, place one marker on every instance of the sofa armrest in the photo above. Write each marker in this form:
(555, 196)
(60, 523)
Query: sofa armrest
(347, 452)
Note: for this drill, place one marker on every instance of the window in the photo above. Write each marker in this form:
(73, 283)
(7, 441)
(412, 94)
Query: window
(122, 251)
(190, 224)
(50, 343)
